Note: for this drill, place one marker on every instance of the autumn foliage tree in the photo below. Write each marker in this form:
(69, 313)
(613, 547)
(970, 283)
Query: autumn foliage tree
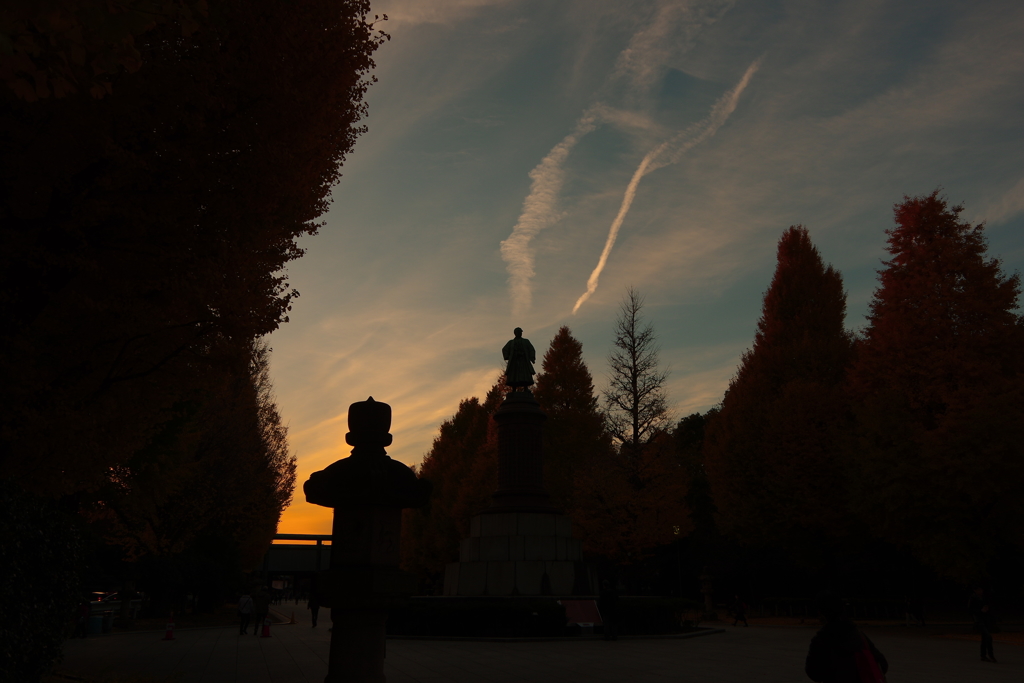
(158, 163)
(138, 230)
(770, 452)
(625, 509)
(60, 48)
(462, 466)
(938, 394)
(630, 498)
(574, 433)
(220, 468)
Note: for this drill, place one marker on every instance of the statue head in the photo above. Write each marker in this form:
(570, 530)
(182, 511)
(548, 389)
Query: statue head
(368, 425)
(518, 332)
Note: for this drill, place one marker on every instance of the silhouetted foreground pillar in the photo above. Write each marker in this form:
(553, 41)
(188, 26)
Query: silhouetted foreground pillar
(522, 544)
(367, 491)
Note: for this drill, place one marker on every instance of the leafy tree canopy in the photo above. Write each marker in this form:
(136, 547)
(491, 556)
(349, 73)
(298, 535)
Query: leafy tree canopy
(770, 453)
(937, 390)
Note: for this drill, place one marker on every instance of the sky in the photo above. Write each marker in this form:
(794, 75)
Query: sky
(527, 162)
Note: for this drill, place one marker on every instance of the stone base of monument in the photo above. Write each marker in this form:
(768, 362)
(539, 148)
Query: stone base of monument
(520, 553)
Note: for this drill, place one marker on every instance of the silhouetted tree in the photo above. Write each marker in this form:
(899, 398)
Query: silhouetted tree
(216, 478)
(689, 441)
(626, 507)
(137, 229)
(630, 499)
(938, 394)
(144, 236)
(635, 398)
(63, 47)
(462, 465)
(771, 452)
(574, 432)
(40, 556)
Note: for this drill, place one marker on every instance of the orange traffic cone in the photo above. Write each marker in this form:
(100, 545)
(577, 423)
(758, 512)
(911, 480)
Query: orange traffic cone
(169, 635)
(266, 628)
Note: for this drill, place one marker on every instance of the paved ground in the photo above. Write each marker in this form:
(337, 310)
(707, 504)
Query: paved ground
(298, 654)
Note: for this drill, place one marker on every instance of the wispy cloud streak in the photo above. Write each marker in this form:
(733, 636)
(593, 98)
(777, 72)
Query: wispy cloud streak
(665, 154)
(539, 211)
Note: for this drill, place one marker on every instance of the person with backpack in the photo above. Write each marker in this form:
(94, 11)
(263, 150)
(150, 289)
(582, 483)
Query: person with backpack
(839, 652)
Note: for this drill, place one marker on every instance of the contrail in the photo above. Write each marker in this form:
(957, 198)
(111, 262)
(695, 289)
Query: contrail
(668, 152)
(539, 212)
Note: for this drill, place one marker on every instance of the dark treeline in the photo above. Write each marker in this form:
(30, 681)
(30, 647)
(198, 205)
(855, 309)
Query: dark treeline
(880, 464)
(158, 162)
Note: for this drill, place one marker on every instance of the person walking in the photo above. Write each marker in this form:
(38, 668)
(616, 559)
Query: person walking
(261, 602)
(245, 608)
(980, 609)
(839, 652)
(314, 608)
(739, 611)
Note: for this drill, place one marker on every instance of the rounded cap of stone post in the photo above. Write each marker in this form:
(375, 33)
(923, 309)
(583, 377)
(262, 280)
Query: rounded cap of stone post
(368, 423)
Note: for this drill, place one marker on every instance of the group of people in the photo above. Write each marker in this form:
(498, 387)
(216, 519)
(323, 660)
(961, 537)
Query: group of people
(258, 605)
(839, 652)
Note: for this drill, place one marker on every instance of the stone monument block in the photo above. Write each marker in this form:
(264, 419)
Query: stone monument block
(541, 548)
(451, 578)
(497, 524)
(472, 578)
(562, 575)
(530, 577)
(501, 578)
(516, 548)
(469, 550)
(494, 548)
(537, 524)
(563, 526)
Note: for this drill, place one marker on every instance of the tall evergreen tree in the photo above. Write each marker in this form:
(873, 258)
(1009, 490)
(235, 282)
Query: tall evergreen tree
(770, 453)
(937, 388)
(575, 431)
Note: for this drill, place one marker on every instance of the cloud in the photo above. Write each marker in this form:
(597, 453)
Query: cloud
(429, 11)
(670, 32)
(539, 211)
(640, 64)
(668, 152)
(1008, 206)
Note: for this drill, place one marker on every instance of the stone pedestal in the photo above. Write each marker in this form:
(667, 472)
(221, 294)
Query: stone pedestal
(520, 456)
(520, 553)
(521, 545)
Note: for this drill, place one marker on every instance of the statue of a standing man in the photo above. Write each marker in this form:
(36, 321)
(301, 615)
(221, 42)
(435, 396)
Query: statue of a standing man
(521, 356)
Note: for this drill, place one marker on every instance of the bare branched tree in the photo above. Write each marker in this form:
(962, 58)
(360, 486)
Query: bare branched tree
(635, 399)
